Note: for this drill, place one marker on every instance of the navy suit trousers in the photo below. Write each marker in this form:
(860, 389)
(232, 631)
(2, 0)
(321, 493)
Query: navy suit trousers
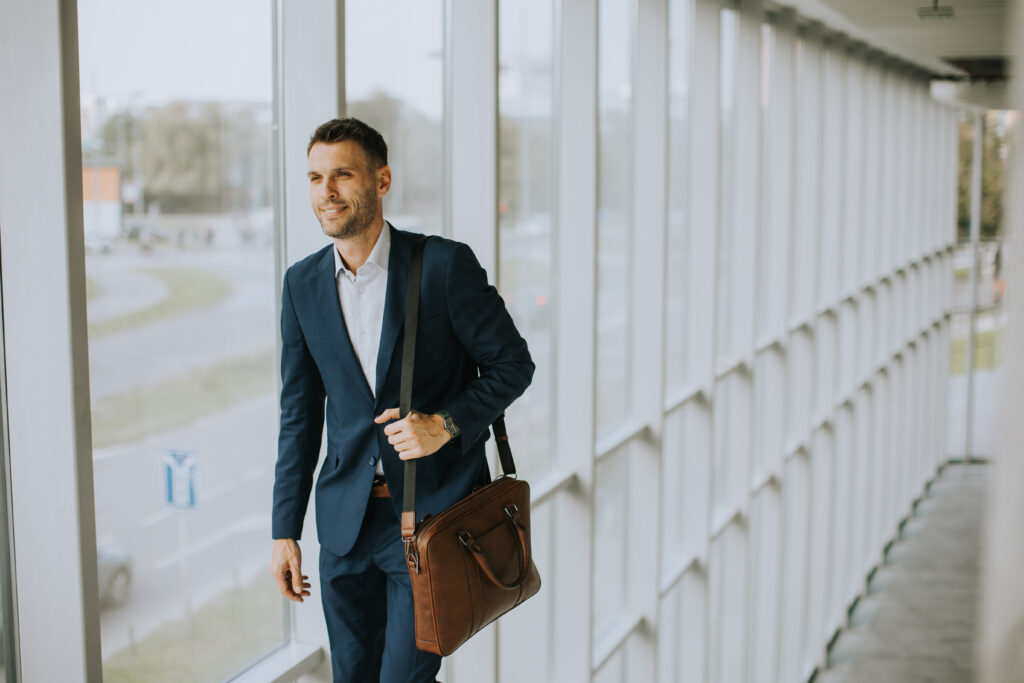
(367, 598)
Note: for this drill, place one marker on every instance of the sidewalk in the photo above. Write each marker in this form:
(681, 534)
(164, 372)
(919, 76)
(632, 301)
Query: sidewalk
(917, 623)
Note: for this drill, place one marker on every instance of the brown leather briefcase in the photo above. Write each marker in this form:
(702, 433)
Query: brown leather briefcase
(472, 562)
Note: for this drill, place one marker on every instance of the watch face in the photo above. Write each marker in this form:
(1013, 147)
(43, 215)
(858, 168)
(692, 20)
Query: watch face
(449, 425)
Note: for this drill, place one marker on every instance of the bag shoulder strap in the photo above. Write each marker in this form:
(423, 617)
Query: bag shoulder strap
(412, 314)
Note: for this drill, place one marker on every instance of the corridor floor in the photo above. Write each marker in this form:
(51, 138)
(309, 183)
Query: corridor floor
(917, 622)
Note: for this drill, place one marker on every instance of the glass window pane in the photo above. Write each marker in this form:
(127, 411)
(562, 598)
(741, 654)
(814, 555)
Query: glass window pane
(727, 152)
(614, 670)
(181, 284)
(672, 491)
(528, 628)
(610, 522)
(400, 92)
(680, 22)
(765, 584)
(682, 635)
(614, 210)
(720, 465)
(526, 210)
(769, 424)
(728, 607)
(767, 271)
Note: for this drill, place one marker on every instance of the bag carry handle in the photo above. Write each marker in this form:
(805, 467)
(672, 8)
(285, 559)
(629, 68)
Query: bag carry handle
(412, 312)
(467, 540)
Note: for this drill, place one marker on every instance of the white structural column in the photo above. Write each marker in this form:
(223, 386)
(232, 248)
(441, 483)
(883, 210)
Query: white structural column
(575, 253)
(471, 42)
(1000, 659)
(650, 164)
(45, 341)
(309, 72)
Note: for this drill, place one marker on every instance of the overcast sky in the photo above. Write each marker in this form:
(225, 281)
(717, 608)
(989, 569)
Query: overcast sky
(186, 49)
(220, 50)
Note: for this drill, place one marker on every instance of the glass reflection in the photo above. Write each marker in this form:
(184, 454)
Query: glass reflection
(614, 210)
(400, 92)
(525, 212)
(727, 153)
(680, 22)
(611, 513)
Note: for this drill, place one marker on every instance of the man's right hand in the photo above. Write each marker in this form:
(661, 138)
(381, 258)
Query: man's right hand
(286, 568)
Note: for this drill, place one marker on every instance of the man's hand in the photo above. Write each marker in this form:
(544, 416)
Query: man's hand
(286, 568)
(416, 436)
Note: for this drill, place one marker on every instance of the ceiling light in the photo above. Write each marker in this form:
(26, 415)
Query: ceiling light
(935, 12)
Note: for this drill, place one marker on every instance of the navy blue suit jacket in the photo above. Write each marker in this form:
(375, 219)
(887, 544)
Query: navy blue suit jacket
(470, 361)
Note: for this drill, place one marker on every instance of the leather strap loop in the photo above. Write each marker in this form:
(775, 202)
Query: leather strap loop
(525, 560)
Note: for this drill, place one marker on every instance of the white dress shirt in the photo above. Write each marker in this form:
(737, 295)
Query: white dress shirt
(361, 295)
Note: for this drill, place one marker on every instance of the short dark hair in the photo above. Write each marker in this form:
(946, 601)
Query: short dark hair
(339, 130)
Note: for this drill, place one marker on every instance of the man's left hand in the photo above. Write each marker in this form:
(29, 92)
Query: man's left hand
(417, 435)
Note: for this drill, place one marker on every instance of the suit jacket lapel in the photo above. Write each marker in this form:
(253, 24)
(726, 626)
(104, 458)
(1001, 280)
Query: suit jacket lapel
(325, 298)
(394, 304)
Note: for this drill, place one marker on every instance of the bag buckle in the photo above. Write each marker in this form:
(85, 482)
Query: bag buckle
(412, 558)
(465, 538)
(511, 510)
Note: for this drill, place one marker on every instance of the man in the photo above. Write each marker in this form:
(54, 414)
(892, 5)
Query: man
(342, 314)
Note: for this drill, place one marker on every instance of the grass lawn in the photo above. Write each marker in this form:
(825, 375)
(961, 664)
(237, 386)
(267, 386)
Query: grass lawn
(225, 635)
(188, 289)
(137, 413)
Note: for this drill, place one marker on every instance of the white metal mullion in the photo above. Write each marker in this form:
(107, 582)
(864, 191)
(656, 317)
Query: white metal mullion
(575, 129)
(650, 163)
(45, 337)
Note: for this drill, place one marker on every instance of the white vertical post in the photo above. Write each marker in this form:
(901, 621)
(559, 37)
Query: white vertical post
(471, 71)
(310, 90)
(576, 268)
(650, 164)
(43, 266)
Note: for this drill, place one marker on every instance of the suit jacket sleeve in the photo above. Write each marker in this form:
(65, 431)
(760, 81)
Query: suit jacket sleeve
(302, 420)
(485, 329)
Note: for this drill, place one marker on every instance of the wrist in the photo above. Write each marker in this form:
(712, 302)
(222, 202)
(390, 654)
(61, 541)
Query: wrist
(448, 424)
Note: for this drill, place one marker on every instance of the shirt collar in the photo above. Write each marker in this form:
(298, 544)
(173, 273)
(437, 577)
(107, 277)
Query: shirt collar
(378, 255)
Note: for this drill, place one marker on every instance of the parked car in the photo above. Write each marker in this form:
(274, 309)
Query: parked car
(114, 566)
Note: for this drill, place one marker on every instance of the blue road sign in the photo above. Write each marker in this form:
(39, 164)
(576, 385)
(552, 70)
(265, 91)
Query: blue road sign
(180, 479)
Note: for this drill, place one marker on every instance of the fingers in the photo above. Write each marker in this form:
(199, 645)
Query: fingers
(286, 568)
(287, 586)
(296, 575)
(411, 453)
(387, 415)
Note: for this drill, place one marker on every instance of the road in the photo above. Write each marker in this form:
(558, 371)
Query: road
(226, 539)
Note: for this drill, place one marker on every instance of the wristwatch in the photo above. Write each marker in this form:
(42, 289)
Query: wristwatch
(449, 423)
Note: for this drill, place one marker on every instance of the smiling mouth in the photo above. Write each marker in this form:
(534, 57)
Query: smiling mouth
(332, 212)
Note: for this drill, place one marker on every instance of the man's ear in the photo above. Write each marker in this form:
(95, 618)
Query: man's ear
(383, 180)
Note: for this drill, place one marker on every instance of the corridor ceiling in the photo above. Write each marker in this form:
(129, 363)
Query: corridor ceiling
(973, 43)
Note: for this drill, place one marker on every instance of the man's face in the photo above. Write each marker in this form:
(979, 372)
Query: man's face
(345, 192)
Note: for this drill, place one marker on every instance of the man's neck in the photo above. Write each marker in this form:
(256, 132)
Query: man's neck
(355, 250)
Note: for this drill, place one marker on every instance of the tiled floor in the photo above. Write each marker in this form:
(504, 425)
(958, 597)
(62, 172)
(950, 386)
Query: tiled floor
(917, 622)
